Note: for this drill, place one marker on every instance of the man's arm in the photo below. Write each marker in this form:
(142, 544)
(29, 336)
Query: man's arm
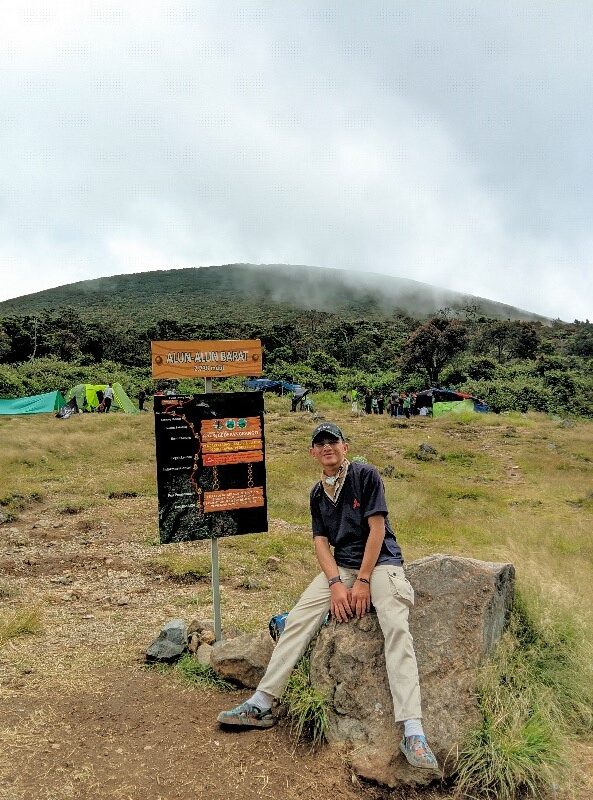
(361, 591)
(340, 595)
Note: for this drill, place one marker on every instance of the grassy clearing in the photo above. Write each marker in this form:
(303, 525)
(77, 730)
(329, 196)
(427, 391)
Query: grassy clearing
(22, 622)
(197, 674)
(510, 487)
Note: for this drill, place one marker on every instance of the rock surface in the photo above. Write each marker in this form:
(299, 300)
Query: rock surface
(171, 642)
(244, 658)
(460, 612)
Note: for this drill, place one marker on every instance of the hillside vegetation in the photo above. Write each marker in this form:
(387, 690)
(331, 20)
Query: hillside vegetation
(86, 586)
(321, 328)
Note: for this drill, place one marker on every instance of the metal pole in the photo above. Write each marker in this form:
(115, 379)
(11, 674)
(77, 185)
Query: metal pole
(215, 562)
(216, 588)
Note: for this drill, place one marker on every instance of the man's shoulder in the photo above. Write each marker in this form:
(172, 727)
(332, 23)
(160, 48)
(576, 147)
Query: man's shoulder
(362, 469)
(315, 490)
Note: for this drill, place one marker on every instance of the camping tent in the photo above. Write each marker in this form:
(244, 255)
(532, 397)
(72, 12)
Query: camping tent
(86, 396)
(445, 401)
(268, 385)
(35, 404)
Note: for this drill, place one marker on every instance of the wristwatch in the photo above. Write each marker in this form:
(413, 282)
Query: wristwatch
(331, 581)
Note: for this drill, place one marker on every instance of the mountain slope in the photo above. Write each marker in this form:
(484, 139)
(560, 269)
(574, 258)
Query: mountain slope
(173, 293)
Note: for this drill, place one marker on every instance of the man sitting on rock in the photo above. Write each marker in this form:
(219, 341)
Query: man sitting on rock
(349, 512)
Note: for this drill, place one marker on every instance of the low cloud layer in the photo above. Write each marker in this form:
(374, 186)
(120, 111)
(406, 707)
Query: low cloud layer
(448, 145)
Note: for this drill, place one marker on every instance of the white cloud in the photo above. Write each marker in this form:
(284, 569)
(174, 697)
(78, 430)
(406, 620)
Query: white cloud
(446, 144)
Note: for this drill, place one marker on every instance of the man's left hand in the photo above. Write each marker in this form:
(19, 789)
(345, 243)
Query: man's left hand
(361, 598)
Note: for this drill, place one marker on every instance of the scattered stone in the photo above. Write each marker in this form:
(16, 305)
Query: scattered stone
(65, 580)
(207, 637)
(204, 654)
(567, 423)
(124, 600)
(198, 625)
(243, 659)
(194, 643)
(42, 523)
(460, 612)
(273, 563)
(170, 643)
(426, 452)
(388, 470)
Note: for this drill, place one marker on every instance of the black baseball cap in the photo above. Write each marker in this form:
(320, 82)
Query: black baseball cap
(328, 428)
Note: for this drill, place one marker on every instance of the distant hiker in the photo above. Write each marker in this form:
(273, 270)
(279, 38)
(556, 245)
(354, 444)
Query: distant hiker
(349, 513)
(381, 402)
(354, 400)
(141, 399)
(374, 405)
(107, 398)
(406, 405)
(368, 402)
(393, 405)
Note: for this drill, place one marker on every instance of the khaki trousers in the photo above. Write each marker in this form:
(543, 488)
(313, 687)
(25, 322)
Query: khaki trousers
(392, 596)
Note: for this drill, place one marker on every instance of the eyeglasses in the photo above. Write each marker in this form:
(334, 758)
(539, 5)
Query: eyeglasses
(324, 442)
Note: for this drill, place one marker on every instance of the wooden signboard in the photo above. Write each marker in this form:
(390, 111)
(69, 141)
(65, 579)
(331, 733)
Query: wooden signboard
(210, 465)
(207, 359)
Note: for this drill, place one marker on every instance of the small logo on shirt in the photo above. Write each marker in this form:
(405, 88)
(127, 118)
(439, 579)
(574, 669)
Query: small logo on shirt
(355, 504)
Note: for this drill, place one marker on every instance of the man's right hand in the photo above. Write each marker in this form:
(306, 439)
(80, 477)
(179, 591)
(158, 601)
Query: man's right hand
(340, 602)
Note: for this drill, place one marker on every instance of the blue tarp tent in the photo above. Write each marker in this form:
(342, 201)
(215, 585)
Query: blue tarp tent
(36, 404)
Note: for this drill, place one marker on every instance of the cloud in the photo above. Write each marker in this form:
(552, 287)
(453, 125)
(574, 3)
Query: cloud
(441, 144)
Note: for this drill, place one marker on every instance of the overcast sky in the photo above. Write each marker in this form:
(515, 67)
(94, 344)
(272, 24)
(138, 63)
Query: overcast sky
(447, 142)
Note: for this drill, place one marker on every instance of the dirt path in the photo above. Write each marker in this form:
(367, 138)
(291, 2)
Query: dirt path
(81, 715)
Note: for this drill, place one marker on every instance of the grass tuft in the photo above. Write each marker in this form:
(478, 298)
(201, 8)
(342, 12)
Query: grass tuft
(306, 706)
(535, 694)
(21, 623)
(193, 567)
(199, 674)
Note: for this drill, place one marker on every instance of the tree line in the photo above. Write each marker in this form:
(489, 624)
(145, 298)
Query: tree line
(511, 364)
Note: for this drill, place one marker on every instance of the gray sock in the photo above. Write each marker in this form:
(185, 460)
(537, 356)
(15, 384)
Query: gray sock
(262, 700)
(413, 727)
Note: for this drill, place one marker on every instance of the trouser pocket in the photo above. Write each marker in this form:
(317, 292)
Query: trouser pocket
(401, 586)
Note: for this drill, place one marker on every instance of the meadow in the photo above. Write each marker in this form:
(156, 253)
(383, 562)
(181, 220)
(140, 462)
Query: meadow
(85, 585)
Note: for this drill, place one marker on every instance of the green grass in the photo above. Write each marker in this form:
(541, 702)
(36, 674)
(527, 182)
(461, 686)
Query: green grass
(22, 622)
(534, 694)
(184, 566)
(198, 674)
(306, 706)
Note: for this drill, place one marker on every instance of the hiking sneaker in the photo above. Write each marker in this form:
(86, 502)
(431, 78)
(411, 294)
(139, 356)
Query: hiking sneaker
(418, 753)
(247, 716)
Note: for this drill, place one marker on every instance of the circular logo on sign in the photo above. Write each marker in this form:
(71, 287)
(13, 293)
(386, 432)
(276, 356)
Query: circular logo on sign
(230, 423)
(158, 360)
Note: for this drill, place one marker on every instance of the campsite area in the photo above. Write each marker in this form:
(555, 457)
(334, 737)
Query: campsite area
(82, 715)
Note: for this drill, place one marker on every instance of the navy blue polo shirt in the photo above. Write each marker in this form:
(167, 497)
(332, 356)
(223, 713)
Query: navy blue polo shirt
(345, 523)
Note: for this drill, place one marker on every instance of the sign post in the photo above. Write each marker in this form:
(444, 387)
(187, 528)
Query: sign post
(210, 449)
(214, 561)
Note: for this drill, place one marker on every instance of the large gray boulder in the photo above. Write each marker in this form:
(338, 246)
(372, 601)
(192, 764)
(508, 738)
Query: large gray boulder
(460, 612)
(243, 659)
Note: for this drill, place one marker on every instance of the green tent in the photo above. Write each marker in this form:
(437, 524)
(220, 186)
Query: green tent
(36, 404)
(452, 406)
(88, 392)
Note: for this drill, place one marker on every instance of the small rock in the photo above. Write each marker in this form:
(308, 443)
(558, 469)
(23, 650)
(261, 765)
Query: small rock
(273, 563)
(427, 449)
(198, 625)
(194, 643)
(170, 643)
(42, 523)
(123, 600)
(204, 653)
(207, 637)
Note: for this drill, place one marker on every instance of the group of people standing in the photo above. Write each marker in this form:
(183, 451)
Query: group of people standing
(401, 404)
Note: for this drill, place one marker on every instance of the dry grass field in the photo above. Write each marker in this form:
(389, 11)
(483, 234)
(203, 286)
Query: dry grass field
(85, 586)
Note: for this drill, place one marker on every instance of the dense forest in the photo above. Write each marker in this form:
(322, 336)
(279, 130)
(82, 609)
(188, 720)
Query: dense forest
(513, 364)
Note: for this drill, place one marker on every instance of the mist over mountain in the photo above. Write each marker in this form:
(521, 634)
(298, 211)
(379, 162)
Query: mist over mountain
(174, 293)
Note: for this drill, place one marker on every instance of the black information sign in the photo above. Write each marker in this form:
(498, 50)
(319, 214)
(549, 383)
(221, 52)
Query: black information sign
(210, 455)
